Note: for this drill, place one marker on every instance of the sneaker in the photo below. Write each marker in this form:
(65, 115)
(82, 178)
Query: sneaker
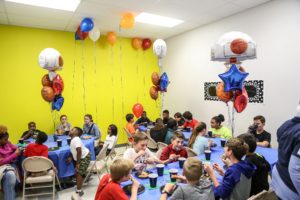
(80, 192)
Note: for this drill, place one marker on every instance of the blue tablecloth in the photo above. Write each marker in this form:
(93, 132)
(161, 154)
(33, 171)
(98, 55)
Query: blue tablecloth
(271, 156)
(60, 156)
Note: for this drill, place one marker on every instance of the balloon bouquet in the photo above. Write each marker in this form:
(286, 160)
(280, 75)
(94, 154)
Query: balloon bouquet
(53, 85)
(160, 82)
(233, 48)
(87, 28)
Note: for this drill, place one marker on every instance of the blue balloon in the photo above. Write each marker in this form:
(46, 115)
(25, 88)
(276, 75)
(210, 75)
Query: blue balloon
(164, 82)
(76, 36)
(57, 103)
(86, 24)
(233, 79)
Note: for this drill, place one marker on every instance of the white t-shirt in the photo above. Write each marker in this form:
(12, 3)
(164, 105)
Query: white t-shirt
(131, 154)
(110, 140)
(75, 143)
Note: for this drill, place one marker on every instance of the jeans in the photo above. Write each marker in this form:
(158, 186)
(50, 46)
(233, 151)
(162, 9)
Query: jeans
(9, 183)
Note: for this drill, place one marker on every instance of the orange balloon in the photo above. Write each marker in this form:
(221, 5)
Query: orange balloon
(111, 38)
(223, 96)
(136, 43)
(47, 93)
(238, 46)
(46, 81)
(155, 78)
(153, 92)
(127, 21)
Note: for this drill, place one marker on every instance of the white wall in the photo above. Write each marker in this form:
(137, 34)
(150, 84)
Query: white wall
(275, 26)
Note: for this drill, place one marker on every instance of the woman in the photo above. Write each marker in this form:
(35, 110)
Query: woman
(158, 132)
(218, 130)
(197, 141)
(90, 128)
(64, 127)
(8, 158)
(110, 139)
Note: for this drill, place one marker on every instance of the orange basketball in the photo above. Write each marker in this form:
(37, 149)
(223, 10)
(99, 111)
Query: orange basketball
(46, 81)
(153, 92)
(47, 93)
(238, 46)
(223, 96)
(155, 78)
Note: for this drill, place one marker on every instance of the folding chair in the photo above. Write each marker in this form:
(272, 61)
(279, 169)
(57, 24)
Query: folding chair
(264, 195)
(152, 145)
(112, 154)
(161, 145)
(37, 164)
(96, 165)
(191, 152)
(129, 136)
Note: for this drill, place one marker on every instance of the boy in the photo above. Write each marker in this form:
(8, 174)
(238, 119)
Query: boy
(237, 179)
(143, 119)
(32, 131)
(140, 154)
(260, 177)
(81, 156)
(166, 116)
(37, 148)
(130, 125)
(195, 188)
(262, 136)
(109, 187)
(174, 150)
(190, 122)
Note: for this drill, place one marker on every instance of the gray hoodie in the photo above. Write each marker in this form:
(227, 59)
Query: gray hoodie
(201, 191)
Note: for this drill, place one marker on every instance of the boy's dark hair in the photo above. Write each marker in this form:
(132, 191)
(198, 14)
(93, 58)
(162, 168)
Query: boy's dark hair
(166, 111)
(171, 123)
(41, 138)
(177, 134)
(129, 117)
(260, 118)
(187, 115)
(31, 123)
(177, 115)
(79, 130)
(89, 116)
(219, 119)
(62, 116)
(114, 130)
(139, 137)
(238, 147)
(250, 140)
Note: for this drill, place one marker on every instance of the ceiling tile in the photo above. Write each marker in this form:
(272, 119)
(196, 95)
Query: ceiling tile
(248, 4)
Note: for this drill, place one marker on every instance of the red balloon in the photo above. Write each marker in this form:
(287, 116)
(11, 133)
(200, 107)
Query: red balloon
(137, 109)
(82, 35)
(241, 100)
(58, 84)
(146, 44)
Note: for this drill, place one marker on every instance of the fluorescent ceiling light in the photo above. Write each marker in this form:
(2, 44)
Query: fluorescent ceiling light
(68, 5)
(157, 20)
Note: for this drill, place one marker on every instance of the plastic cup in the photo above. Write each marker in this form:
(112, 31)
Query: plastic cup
(69, 141)
(181, 162)
(153, 180)
(160, 169)
(173, 172)
(209, 133)
(21, 141)
(59, 143)
(207, 154)
(223, 142)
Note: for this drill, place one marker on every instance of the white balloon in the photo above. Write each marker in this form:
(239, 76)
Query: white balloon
(49, 59)
(94, 34)
(160, 48)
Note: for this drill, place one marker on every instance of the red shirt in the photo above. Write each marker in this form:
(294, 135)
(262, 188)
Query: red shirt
(191, 124)
(165, 154)
(35, 149)
(109, 190)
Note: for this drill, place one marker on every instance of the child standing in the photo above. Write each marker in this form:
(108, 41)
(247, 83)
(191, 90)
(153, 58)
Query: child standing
(81, 155)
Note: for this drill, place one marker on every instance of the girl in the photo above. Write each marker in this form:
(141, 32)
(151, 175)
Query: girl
(64, 127)
(197, 141)
(218, 130)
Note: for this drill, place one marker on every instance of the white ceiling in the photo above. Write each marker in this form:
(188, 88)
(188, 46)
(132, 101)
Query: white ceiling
(107, 14)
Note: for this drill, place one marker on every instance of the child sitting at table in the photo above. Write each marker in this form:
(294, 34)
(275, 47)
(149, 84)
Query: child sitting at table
(140, 154)
(109, 187)
(236, 183)
(190, 122)
(37, 148)
(110, 139)
(81, 155)
(197, 141)
(260, 177)
(173, 151)
(130, 126)
(219, 130)
(195, 188)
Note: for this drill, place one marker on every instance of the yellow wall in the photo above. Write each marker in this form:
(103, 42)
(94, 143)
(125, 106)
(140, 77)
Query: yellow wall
(20, 82)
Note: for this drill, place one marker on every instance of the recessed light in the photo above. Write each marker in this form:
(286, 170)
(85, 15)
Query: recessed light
(158, 20)
(68, 5)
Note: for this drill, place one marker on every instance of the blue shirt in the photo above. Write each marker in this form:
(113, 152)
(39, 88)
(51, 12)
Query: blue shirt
(94, 131)
(169, 135)
(200, 144)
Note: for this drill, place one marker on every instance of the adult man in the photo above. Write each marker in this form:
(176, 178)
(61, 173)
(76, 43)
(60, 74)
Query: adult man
(263, 138)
